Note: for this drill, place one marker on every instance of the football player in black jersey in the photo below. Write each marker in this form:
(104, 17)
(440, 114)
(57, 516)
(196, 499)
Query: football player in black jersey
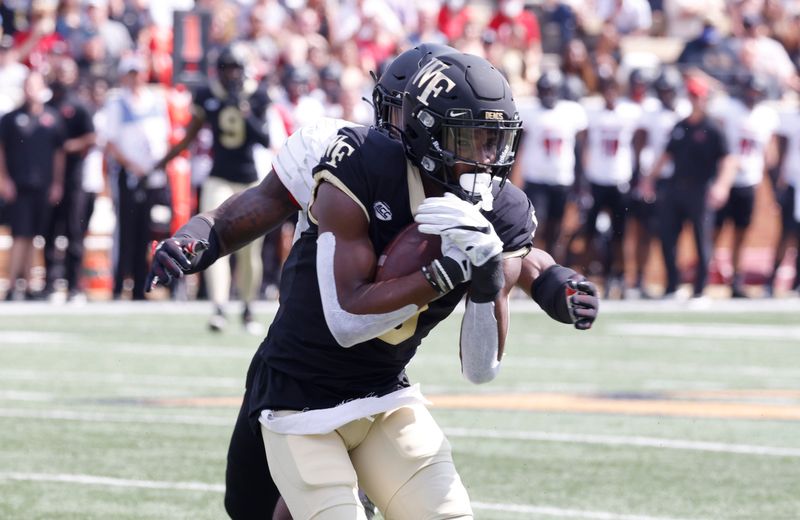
(259, 208)
(235, 108)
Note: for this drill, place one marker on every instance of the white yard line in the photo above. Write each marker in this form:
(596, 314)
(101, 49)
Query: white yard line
(119, 378)
(707, 330)
(538, 436)
(625, 441)
(563, 513)
(94, 480)
(521, 361)
(67, 415)
(110, 348)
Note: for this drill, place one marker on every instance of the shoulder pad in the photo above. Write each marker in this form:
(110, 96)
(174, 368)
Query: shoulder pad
(301, 153)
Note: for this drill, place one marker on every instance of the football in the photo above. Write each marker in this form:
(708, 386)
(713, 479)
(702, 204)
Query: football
(408, 252)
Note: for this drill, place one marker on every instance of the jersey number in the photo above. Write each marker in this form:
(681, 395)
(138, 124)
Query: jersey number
(232, 128)
(403, 331)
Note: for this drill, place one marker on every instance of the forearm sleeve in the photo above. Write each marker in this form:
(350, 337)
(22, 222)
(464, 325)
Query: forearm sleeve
(479, 343)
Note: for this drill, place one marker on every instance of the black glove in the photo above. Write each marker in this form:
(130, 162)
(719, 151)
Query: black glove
(582, 302)
(172, 258)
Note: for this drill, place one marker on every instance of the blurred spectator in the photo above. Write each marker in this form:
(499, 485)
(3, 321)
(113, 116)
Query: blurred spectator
(12, 76)
(545, 165)
(579, 75)
(161, 11)
(711, 53)
(40, 38)
(787, 191)
(137, 129)
(93, 175)
(787, 31)
(515, 26)
(67, 216)
(100, 42)
(303, 106)
(69, 18)
(698, 184)
(607, 54)
(608, 165)
(627, 16)
(428, 30)
(351, 101)
(12, 13)
(685, 18)
(765, 57)
(454, 15)
(749, 127)
(135, 16)
(31, 176)
(517, 29)
(557, 18)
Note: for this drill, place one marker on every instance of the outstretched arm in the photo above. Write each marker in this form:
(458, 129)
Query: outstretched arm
(242, 218)
(192, 130)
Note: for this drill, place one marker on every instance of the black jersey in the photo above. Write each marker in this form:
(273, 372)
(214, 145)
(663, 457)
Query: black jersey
(77, 123)
(300, 365)
(31, 142)
(237, 122)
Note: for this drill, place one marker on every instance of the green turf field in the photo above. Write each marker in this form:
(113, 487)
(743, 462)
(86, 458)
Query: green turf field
(124, 412)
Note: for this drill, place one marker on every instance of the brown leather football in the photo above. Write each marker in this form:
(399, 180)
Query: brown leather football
(408, 252)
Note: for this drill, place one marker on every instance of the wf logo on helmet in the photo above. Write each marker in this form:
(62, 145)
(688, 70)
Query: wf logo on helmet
(432, 80)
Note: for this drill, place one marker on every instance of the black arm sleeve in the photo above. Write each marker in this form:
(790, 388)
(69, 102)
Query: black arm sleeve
(549, 291)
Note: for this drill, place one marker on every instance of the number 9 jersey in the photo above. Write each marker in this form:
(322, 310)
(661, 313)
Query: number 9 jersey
(238, 121)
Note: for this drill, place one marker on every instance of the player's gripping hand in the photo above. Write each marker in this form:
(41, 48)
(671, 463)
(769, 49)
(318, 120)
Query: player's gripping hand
(582, 303)
(461, 224)
(171, 259)
(452, 269)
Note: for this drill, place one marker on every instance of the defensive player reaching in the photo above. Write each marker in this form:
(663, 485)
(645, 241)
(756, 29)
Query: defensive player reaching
(341, 306)
(236, 109)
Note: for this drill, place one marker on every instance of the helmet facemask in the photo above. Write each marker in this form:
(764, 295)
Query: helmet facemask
(388, 108)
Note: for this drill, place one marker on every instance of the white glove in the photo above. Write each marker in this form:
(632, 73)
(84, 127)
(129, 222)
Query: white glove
(460, 224)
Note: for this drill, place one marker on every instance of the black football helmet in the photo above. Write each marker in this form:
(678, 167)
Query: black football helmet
(388, 92)
(752, 88)
(458, 109)
(667, 85)
(548, 87)
(231, 62)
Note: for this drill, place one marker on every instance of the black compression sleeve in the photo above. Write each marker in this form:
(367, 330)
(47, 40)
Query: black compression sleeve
(549, 291)
(487, 280)
(199, 228)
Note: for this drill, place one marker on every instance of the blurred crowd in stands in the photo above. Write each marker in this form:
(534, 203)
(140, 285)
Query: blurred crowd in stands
(62, 62)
